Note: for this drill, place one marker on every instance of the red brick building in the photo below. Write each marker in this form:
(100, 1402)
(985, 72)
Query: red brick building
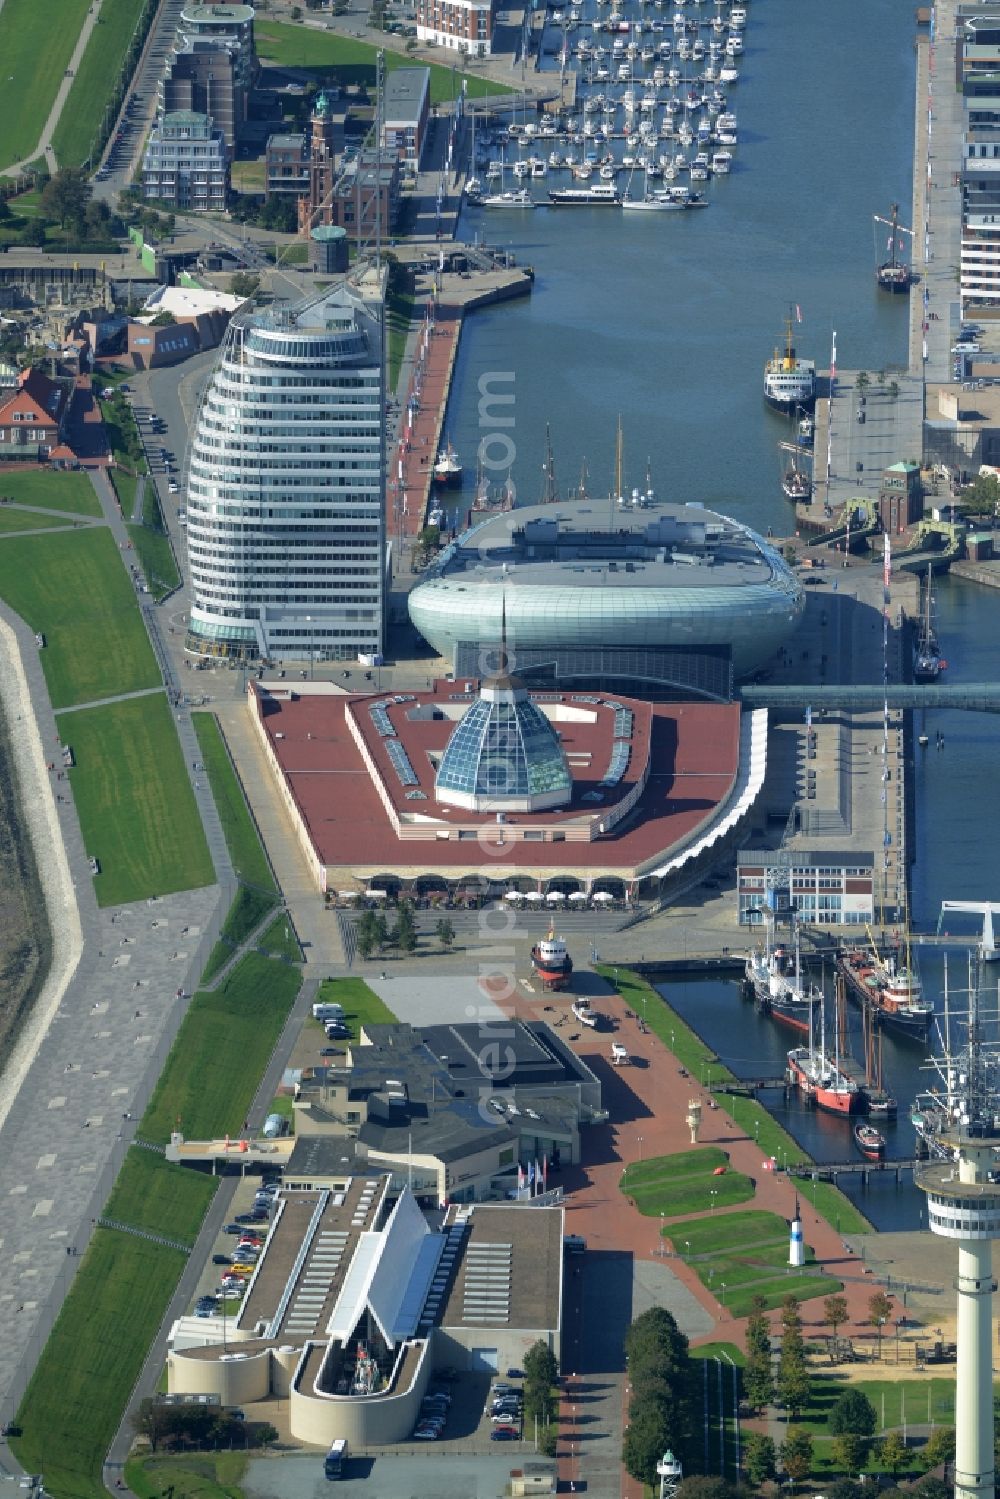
(33, 416)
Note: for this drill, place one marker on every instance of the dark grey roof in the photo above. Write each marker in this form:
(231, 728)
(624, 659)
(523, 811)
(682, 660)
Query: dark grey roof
(329, 1155)
(448, 1132)
(403, 95)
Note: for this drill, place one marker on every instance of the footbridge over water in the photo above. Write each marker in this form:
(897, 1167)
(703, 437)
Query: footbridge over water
(974, 697)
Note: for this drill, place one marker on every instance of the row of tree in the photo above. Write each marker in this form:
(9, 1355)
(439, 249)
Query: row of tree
(541, 1398)
(656, 1354)
(373, 933)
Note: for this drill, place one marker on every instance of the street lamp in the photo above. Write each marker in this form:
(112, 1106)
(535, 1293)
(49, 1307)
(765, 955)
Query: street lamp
(640, 1147)
(722, 1283)
(713, 1194)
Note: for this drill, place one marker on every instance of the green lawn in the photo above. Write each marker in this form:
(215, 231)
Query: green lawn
(73, 587)
(49, 489)
(221, 1051)
(123, 435)
(280, 939)
(361, 1004)
(156, 558)
(23, 520)
(124, 485)
(248, 176)
(720, 1350)
(245, 914)
(37, 38)
(136, 806)
(95, 78)
(354, 62)
(684, 1183)
(827, 1388)
(738, 1256)
(751, 1116)
(155, 1194)
(201, 1475)
(242, 838)
(400, 314)
(92, 1359)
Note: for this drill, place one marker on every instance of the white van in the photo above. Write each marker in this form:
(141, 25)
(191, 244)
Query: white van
(274, 1126)
(619, 1054)
(327, 1011)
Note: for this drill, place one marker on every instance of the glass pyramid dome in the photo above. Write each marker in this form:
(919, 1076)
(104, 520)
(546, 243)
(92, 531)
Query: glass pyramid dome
(504, 755)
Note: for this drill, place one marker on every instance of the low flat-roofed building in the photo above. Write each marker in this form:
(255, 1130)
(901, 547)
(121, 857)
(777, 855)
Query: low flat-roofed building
(450, 1110)
(353, 1304)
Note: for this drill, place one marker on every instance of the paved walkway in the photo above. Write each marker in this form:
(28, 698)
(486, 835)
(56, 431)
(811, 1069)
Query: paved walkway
(44, 146)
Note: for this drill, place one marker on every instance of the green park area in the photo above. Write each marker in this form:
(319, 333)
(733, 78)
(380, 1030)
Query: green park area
(738, 1256)
(137, 810)
(751, 1117)
(362, 1005)
(49, 489)
(95, 78)
(37, 38)
(198, 1475)
(12, 521)
(92, 1360)
(353, 62)
(73, 588)
(669, 1185)
(929, 1405)
(221, 1051)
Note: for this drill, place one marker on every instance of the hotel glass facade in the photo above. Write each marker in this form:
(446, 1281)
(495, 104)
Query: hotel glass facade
(286, 484)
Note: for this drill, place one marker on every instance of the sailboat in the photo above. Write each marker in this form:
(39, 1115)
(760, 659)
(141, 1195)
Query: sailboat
(820, 1078)
(796, 480)
(893, 275)
(927, 662)
(473, 186)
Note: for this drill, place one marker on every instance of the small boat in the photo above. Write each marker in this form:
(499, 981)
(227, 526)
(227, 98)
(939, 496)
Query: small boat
(602, 194)
(796, 480)
(893, 275)
(519, 198)
(447, 470)
(807, 430)
(870, 1141)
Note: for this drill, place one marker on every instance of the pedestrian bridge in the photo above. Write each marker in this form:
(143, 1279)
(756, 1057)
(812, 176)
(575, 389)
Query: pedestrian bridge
(975, 697)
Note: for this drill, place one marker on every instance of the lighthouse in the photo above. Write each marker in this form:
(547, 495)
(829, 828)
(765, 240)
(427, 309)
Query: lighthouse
(796, 1248)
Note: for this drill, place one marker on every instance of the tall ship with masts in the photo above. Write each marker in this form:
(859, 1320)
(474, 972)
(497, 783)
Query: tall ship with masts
(890, 988)
(928, 663)
(894, 273)
(773, 979)
(820, 1078)
(789, 381)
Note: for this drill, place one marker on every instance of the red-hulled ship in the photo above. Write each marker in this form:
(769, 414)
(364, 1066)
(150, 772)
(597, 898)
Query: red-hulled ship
(820, 1078)
(892, 991)
(552, 963)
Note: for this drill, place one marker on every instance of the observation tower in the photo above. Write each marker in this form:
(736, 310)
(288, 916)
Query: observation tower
(963, 1204)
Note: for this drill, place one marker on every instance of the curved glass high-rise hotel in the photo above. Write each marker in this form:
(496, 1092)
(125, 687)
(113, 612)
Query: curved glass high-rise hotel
(285, 487)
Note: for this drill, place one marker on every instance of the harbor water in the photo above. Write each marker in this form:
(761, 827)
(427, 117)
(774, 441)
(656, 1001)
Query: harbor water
(666, 319)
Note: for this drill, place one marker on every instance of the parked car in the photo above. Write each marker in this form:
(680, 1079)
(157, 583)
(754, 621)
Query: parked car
(504, 1434)
(221, 1259)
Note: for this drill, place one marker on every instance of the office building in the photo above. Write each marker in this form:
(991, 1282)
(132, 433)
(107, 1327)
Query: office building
(464, 26)
(285, 486)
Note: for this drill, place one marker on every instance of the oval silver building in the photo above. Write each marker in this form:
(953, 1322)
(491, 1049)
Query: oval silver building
(660, 599)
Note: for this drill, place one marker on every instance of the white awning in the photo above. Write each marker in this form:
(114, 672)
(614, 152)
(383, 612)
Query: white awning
(578, 895)
(555, 895)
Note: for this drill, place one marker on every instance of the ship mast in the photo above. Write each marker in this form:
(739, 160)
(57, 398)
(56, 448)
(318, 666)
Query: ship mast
(549, 491)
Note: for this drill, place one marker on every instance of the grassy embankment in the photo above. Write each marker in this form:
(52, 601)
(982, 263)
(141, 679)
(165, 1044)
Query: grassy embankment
(47, 489)
(95, 78)
(750, 1115)
(258, 892)
(37, 38)
(737, 1256)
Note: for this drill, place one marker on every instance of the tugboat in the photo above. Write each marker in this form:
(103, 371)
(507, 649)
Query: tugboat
(447, 469)
(893, 275)
(893, 992)
(551, 962)
(870, 1141)
(927, 662)
(788, 380)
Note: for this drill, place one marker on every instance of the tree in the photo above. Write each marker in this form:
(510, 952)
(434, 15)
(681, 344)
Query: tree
(879, 1312)
(933, 1488)
(892, 1453)
(404, 933)
(862, 382)
(854, 1413)
(66, 195)
(760, 1458)
(893, 389)
(654, 1346)
(758, 1381)
(797, 1454)
(5, 213)
(380, 929)
(33, 232)
(243, 284)
(758, 1334)
(939, 1447)
(793, 1387)
(835, 1312)
(445, 932)
(647, 1438)
(700, 1486)
(540, 1365)
(790, 1315)
(845, 1488)
(850, 1451)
